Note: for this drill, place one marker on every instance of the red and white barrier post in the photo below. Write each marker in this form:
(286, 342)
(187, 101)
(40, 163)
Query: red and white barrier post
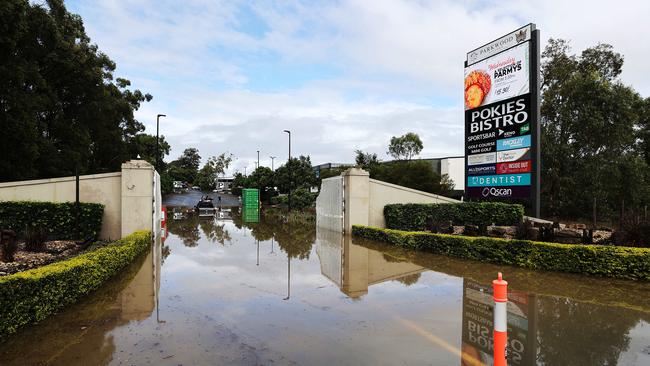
(163, 215)
(500, 295)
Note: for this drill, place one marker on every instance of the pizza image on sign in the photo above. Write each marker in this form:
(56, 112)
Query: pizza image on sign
(477, 86)
(502, 76)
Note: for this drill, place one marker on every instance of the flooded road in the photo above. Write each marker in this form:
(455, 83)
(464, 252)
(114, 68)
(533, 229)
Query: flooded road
(250, 290)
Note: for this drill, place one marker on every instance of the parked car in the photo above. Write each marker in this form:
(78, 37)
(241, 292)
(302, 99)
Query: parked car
(205, 207)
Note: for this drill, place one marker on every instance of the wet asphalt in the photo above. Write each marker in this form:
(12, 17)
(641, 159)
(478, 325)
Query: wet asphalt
(192, 197)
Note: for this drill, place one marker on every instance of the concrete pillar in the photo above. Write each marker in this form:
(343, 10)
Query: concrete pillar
(356, 197)
(137, 196)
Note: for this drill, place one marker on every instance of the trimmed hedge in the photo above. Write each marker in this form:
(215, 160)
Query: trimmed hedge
(595, 260)
(31, 296)
(415, 216)
(57, 218)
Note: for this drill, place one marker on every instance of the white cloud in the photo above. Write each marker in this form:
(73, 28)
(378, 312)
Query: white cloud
(399, 66)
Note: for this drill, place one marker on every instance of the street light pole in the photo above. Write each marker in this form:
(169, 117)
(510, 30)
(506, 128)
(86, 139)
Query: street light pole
(158, 141)
(272, 157)
(258, 158)
(290, 170)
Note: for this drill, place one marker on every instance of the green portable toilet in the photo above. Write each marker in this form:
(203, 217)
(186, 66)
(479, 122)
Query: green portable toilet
(250, 197)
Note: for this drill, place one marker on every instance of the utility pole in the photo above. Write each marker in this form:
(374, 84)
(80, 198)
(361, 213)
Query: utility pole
(158, 142)
(290, 170)
(258, 158)
(272, 157)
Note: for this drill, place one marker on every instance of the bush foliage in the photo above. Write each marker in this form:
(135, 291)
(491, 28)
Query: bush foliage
(595, 260)
(301, 199)
(416, 216)
(57, 218)
(30, 296)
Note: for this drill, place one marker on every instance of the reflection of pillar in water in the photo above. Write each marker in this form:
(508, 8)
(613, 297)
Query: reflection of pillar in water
(354, 267)
(138, 299)
(157, 265)
(354, 281)
(342, 262)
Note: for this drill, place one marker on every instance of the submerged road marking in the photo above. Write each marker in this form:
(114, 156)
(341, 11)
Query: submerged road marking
(468, 359)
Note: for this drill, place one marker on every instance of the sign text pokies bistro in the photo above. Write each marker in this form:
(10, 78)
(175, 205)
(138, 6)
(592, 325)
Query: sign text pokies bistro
(501, 118)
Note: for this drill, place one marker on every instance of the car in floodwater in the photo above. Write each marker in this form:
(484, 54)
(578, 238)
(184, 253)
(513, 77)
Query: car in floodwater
(205, 207)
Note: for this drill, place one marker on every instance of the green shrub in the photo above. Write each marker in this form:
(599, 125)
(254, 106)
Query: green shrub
(57, 218)
(30, 296)
(595, 260)
(301, 199)
(415, 216)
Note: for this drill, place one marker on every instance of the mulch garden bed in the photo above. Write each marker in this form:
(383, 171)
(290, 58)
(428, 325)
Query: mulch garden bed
(54, 251)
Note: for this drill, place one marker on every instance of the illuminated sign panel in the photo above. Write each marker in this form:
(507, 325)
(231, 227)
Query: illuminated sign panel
(501, 98)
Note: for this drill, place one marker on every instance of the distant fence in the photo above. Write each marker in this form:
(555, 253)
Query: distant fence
(329, 204)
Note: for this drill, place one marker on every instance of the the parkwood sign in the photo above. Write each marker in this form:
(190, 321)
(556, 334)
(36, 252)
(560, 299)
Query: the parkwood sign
(501, 118)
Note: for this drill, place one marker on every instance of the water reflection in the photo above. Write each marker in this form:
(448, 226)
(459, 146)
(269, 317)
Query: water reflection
(478, 325)
(553, 319)
(219, 300)
(187, 225)
(295, 240)
(80, 335)
(354, 267)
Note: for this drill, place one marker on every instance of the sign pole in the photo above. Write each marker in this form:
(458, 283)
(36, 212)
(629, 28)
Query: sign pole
(536, 131)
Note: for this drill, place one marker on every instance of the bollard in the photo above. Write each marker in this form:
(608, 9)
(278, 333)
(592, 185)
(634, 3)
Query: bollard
(163, 216)
(500, 296)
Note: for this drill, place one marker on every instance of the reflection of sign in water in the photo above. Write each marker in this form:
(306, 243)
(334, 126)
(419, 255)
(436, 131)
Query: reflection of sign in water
(478, 325)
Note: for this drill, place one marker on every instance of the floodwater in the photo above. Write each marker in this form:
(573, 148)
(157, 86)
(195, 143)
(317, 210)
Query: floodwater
(224, 291)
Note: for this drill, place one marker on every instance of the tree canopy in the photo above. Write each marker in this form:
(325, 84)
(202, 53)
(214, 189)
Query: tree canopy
(366, 160)
(186, 167)
(215, 166)
(416, 174)
(60, 105)
(594, 134)
(405, 147)
(296, 173)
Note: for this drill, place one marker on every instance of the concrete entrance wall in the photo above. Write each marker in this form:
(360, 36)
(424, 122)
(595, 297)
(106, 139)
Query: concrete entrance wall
(127, 196)
(365, 198)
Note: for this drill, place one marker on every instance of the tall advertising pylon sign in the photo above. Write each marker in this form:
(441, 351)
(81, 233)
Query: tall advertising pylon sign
(502, 149)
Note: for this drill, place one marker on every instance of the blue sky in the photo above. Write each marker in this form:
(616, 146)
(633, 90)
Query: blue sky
(342, 75)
